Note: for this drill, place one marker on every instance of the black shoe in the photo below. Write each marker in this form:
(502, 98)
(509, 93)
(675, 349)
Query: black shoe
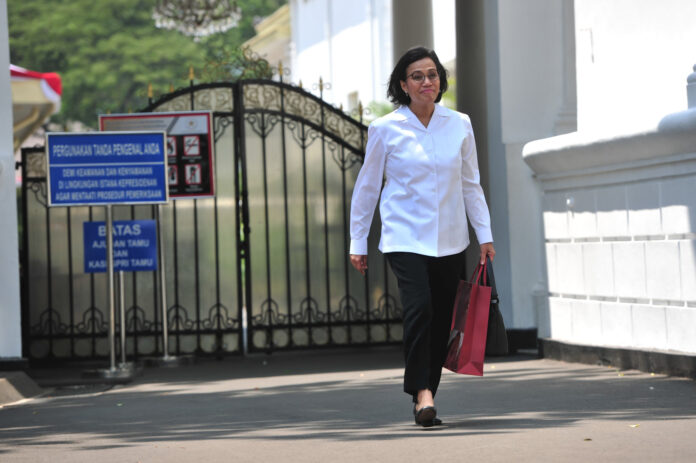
(431, 423)
(425, 416)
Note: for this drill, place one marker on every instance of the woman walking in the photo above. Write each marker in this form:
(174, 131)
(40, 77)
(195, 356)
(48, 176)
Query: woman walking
(426, 155)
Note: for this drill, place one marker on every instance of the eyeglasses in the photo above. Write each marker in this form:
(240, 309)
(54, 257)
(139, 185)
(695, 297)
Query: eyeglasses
(419, 77)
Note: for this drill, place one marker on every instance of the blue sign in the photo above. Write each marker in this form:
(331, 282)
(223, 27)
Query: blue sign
(135, 246)
(100, 168)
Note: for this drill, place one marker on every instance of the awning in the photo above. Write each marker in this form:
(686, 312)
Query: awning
(35, 96)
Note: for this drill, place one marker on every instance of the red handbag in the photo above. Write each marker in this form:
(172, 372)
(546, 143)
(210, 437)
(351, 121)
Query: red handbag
(467, 341)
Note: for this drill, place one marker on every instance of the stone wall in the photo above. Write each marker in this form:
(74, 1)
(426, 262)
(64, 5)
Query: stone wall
(619, 219)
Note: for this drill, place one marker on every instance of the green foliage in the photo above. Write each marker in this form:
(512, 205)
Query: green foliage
(375, 109)
(380, 108)
(235, 64)
(449, 99)
(107, 52)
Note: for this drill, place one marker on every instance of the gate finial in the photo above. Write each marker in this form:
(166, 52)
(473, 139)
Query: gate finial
(192, 76)
(171, 88)
(321, 84)
(149, 90)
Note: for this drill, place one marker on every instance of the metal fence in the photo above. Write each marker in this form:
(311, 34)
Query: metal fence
(262, 266)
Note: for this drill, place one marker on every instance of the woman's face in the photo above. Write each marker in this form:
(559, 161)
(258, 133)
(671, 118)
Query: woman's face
(422, 82)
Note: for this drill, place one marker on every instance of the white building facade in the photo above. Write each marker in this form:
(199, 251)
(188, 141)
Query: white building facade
(346, 44)
(350, 45)
(619, 195)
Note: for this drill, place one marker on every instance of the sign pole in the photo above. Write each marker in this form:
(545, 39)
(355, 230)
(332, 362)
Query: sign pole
(163, 285)
(110, 285)
(102, 169)
(122, 307)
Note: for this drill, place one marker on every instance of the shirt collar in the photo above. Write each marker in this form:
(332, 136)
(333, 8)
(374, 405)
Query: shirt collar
(404, 113)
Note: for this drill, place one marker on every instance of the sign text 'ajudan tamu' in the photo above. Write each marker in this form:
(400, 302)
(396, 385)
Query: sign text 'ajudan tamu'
(135, 246)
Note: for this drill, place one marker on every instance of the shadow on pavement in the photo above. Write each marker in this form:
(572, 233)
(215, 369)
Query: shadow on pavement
(343, 396)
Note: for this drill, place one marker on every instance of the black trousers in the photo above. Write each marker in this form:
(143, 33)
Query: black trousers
(427, 286)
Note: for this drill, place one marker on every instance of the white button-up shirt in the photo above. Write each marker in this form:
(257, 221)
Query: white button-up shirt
(431, 184)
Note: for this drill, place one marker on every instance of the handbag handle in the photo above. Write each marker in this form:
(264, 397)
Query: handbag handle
(480, 275)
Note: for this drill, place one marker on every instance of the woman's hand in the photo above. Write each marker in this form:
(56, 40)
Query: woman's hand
(359, 262)
(486, 250)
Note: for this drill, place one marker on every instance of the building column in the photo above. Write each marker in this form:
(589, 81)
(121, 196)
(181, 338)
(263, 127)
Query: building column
(10, 311)
(471, 75)
(567, 118)
(479, 96)
(412, 25)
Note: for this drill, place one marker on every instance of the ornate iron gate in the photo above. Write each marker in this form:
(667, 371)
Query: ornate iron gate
(262, 265)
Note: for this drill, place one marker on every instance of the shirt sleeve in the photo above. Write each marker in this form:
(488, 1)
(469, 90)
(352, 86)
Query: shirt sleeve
(474, 199)
(366, 191)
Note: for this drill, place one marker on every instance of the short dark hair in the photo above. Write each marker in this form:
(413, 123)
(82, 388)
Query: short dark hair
(395, 93)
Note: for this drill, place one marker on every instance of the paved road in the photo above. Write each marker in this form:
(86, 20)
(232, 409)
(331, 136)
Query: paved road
(347, 406)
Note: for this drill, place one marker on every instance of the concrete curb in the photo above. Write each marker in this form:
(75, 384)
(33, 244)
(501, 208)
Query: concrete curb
(668, 363)
(16, 386)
